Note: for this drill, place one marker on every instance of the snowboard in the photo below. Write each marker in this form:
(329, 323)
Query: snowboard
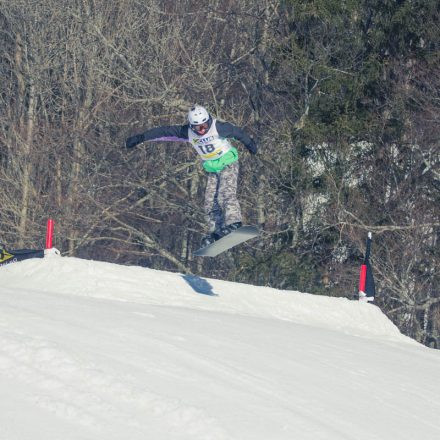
(227, 242)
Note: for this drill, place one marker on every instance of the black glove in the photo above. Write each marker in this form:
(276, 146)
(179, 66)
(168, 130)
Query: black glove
(252, 147)
(134, 140)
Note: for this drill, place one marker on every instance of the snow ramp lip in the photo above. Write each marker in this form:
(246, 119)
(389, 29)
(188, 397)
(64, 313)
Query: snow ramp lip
(94, 279)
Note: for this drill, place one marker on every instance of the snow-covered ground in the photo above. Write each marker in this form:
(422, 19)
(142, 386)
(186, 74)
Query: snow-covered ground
(95, 351)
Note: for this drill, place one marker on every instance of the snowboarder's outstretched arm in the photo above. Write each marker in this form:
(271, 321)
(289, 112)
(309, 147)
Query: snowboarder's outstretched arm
(176, 133)
(228, 130)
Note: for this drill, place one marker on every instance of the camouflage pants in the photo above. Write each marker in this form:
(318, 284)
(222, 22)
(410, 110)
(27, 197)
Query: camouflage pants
(221, 204)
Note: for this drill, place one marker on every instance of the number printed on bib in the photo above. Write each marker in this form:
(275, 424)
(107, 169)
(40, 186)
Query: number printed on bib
(209, 151)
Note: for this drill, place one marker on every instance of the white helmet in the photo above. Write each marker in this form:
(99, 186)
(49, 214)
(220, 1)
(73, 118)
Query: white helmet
(199, 119)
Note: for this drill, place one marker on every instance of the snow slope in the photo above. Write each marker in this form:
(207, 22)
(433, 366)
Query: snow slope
(92, 350)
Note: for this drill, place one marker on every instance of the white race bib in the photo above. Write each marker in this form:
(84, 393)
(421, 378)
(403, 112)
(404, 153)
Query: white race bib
(209, 146)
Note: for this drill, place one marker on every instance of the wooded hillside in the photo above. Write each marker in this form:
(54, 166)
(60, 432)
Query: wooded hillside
(343, 98)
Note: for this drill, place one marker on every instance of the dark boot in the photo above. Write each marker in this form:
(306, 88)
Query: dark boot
(209, 239)
(229, 228)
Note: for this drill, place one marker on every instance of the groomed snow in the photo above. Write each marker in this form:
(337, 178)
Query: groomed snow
(92, 350)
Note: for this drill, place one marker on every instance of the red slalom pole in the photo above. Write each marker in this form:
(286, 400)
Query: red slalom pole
(362, 278)
(367, 289)
(49, 233)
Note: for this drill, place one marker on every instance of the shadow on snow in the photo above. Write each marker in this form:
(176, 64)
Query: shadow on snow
(199, 285)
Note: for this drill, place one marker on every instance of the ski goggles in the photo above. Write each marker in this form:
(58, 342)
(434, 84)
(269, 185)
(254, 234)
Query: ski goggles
(200, 127)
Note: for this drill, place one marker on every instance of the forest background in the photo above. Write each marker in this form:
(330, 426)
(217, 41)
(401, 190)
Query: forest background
(343, 98)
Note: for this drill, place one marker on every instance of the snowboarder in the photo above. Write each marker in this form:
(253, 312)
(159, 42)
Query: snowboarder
(210, 138)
